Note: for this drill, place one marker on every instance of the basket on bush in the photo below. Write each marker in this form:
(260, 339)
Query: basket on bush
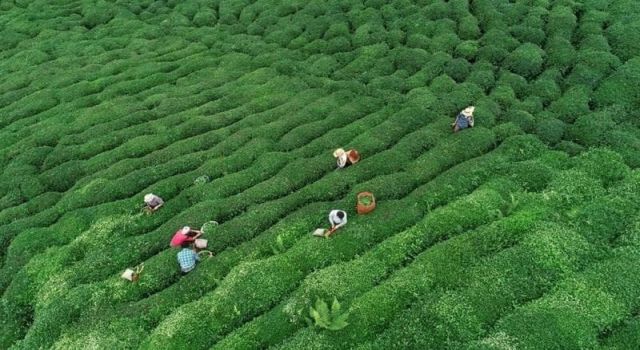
(365, 202)
(353, 156)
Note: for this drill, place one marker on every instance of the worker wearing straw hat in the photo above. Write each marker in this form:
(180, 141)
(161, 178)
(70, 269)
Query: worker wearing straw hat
(464, 119)
(152, 202)
(345, 158)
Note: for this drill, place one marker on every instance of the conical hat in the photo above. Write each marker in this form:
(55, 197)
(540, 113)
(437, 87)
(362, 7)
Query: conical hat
(468, 111)
(337, 153)
(148, 197)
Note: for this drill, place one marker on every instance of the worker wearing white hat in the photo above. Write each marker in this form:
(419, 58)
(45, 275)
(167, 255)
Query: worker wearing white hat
(153, 202)
(185, 235)
(464, 119)
(345, 158)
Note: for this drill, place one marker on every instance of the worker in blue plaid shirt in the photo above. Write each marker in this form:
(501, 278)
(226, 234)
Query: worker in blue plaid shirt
(187, 257)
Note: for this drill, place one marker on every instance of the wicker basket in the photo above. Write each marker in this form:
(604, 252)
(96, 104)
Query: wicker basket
(354, 156)
(365, 208)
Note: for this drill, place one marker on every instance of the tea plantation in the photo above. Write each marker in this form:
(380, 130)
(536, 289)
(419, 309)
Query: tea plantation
(522, 232)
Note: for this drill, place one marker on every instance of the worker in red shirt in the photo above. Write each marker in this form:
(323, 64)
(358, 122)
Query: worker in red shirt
(185, 235)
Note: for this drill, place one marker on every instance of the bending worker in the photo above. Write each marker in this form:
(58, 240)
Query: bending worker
(464, 119)
(337, 218)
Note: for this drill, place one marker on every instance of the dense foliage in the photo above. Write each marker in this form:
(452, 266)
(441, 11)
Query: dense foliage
(521, 232)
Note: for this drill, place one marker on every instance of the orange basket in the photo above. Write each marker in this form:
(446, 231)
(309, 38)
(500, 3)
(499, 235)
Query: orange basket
(354, 156)
(362, 206)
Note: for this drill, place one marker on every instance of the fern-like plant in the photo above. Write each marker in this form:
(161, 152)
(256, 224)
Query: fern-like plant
(332, 319)
(278, 247)
(201, 180)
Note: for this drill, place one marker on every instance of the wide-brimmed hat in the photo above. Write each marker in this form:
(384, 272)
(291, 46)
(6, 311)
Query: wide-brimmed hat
(185, 230)
(468, 111)
(148, 197)
(337, 153)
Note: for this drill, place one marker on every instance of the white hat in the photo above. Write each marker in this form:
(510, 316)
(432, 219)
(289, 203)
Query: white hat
(148, 197)
(337, 153)
(185, 230)
(128, 274)
(468, 111)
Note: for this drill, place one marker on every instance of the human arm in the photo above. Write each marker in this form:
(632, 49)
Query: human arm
(335, 227)
(457, 120)
(336, 222)
(329, 232)
(198, 234)
(157, 206)
(470, 121)
(190, 238)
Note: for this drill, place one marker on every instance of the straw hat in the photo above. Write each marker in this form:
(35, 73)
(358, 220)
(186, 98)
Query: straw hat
(148, 197)
(339, 152)
(468, 111)
(185, 230)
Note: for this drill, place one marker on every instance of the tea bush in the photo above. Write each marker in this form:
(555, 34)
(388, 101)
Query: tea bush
(573, 104)
(560, 53)
(626, 145)
(550, 130)
(526, 60)
(562, 21)
(254, 332)
(624, 335)
(580, 307)
(468, 28)
(591, 129)
(622, 36)
(458, 69)
(479, 238)
(467, 311)
(616, 89)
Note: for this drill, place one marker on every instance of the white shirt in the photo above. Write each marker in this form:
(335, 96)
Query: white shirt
(154, 201)
(342, 160)
(335, 220)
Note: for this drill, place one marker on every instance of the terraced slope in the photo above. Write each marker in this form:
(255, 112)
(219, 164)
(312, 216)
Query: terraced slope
(519, 233)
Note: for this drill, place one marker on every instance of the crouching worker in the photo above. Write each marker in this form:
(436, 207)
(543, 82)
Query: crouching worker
(464, 119)
(344, 159)
(337, 218)
(188, 257)
(152, 202)
(185, 235)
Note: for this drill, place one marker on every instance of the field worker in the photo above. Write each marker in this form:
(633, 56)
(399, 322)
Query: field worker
(337, 218)
(188, 257)
(464, 119)
(185, 235)
(152, 202)
(344, 159)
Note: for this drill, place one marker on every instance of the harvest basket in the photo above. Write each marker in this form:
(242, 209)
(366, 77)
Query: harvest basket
(133, 274)
(354, 156)
(208, 227)
(320, 232)
(365, 202)
(200, 243)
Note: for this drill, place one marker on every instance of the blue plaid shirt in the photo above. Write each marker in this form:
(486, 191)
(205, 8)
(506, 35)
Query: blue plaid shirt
(187, 259)
(462, 121)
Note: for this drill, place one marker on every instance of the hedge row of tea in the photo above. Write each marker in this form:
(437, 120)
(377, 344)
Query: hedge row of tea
(518, 233)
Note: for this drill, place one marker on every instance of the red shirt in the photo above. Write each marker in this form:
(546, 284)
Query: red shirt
(179, 238)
